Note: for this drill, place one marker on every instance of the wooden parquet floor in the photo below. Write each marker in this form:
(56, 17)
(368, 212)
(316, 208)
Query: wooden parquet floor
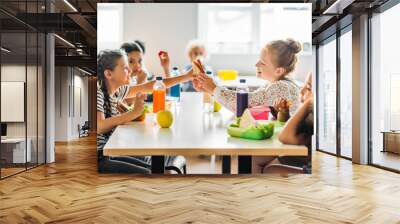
(71, 191)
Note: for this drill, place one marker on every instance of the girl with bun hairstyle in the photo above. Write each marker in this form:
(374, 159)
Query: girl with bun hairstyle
(277, 60)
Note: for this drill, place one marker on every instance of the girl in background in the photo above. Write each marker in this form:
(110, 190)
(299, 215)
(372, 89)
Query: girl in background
(135, 51)
(195, 49)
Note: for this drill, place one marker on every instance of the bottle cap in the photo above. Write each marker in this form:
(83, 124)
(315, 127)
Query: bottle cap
(209, 72)
(174, 68)
(242, 80)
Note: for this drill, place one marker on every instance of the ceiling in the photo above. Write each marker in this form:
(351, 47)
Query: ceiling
(76, 23)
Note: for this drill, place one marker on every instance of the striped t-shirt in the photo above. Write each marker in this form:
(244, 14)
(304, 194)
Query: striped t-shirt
(109, 110)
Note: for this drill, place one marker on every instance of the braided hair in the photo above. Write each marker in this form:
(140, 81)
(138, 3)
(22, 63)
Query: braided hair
(107, 60)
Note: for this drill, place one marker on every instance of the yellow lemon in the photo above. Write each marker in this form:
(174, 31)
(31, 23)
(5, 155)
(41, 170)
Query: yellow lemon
(217, 106)
(165, 118)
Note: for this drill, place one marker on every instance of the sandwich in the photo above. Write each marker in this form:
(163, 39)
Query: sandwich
(198, 67)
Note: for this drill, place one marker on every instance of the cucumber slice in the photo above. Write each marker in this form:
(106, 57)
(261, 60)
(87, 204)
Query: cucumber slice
(234, 131)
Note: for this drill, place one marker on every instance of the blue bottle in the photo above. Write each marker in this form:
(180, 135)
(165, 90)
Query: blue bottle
(242, 97)
(175, 91)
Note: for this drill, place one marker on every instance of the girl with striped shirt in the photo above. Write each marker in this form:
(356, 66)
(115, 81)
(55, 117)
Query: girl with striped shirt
(113, 86)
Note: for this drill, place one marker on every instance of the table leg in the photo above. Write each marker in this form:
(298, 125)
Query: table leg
(244, 164)
(226, 164)
(307, 169)
(157, 164)
(384, 143)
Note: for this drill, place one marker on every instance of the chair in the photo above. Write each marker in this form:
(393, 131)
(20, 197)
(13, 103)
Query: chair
(174, 163)
(84, 130)
(177, 164)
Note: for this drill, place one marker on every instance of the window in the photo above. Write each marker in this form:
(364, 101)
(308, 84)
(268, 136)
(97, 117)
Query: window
(394, 101)
(245, 28)
(327, 96)
(346, 94)
(109, 20)
(385, 88)
(22, 65)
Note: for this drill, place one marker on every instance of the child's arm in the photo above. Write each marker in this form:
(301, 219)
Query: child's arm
(148, 86)
(225, 96)
(289, 135)
(105, 125)
(263, 96)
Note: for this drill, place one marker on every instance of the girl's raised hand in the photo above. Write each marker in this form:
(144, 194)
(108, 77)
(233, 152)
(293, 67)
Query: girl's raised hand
(164, 59)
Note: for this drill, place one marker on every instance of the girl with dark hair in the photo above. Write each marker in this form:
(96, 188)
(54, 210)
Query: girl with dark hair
(298, 130)
(135, 51)
(113, 75)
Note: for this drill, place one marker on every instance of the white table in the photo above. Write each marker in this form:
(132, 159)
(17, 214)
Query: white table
(194, 132)
(19, 153)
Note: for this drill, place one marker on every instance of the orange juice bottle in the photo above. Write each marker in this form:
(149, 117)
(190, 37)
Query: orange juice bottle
(159, 90)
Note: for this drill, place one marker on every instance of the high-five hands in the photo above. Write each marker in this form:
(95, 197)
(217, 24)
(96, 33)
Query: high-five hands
(204, 83)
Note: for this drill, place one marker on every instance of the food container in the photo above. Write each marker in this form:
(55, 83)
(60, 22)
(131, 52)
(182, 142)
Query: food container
(227, 74)
(260, 112)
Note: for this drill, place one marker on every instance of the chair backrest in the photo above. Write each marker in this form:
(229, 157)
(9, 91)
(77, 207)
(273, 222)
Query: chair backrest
(86, 125)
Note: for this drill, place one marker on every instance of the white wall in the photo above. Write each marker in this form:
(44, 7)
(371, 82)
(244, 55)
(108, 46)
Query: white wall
(17, 73)
(34, 124)
(161, 26)
(14, 73)
(170, 27)
(68, 82)
(109, 33)
(61, 103)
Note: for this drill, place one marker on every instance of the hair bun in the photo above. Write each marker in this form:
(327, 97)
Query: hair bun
(295, 46)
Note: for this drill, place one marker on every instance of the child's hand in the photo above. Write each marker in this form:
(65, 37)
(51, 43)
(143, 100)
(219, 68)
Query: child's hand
(206, 82)
(281, 104)
(138, 106)
(309, 100)
(121, 107)
(141, 77)
(197, 86)
(164, 59)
